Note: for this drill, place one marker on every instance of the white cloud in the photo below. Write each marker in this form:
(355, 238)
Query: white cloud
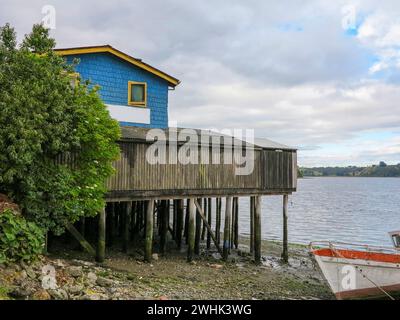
(293, 75)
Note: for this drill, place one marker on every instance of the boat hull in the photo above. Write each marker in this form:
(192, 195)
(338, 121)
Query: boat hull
(355, 274)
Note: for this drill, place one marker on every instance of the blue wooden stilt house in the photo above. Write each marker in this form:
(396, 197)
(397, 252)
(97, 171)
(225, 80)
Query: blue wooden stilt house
(136, 94)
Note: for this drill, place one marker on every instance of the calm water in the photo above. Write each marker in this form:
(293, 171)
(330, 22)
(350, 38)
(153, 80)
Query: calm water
(345, 209)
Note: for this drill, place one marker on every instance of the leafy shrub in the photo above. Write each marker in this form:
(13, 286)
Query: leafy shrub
(20, 240)
(44, 118)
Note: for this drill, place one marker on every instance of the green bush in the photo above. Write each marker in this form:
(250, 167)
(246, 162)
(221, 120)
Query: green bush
(20, 240)
(44, 118)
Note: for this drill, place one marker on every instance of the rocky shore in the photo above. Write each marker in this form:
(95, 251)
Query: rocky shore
(73, 275)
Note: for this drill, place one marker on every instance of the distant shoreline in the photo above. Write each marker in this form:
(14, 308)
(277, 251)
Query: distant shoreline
(308, 177)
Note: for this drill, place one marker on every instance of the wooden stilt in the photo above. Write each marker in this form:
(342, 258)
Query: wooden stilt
(149, 231)
(164, 222)
(236, 225)
(198, 231)
(174, 219)
(227, 227)
(191, 229)
(285, 251)
(82, 226)
(111, 224)
(126, 226)
(218, 209)
(204, 228)
(232, 232)
(133, 220)
(186, 221)
(209, 216)
(101, 242)
(252, 225)
(202, 215)
(179, 223)
(79, 237)
(46, 244)
(257, 230)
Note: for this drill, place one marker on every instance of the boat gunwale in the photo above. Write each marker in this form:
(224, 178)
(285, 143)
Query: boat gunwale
(349, 251)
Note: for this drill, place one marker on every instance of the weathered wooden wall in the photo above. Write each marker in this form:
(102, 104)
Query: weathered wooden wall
(274, 172)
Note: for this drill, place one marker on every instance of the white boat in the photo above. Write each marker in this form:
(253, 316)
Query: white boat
(360, 271)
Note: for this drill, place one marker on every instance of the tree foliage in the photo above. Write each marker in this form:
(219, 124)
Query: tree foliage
(43, 119)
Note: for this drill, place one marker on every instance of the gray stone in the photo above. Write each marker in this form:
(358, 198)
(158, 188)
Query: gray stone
(154, 256)
(75, 289)
(91, 277)
(58, 294)
(94, 297)
(31, 274)
(74, 271)
(22, 292)
(83, 263)
(104, 282)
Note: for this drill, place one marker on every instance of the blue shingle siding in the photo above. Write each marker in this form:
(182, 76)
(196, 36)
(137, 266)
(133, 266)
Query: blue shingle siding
(112, 75)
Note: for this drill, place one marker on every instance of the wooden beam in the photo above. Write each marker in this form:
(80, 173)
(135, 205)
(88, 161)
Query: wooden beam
(191, 229)
(101, 242)
(149, 231)
(285, 251)
(82, 241)
(133, 195)
(227, 225)
(203, 217)
(257, 230)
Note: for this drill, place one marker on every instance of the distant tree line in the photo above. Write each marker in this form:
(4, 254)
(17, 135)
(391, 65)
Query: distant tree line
(380, 170)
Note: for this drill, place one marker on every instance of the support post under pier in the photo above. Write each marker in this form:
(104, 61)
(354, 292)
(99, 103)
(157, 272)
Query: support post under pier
(149, 231)
(257, 230)
(285, 251)
(101, 242)
(227, 227)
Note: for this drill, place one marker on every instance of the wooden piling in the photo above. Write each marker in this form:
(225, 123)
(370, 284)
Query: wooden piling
(101, 242)
(179, 223)
(198, 231)
(209, 216)
(82, 226)
(126, 227)
(236, 225)
(186, 221)
(164, 222)
(252, 225)
(227, 227)
(257, 230)
(285, 251)
(133, 220)
(218, 207)
(204, 228)
(191, 229)
(174, 219)
(149, 231)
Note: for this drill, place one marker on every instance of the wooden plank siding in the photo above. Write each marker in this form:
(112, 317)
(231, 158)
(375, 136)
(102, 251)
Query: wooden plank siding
(275, 172)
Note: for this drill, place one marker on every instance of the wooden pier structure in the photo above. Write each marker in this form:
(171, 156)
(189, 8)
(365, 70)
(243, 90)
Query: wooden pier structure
(149, 199)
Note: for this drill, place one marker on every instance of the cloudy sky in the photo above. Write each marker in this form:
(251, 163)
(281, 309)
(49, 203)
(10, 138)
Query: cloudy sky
(323, 76)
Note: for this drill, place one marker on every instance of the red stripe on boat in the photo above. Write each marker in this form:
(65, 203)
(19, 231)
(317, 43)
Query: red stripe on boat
(362, 255)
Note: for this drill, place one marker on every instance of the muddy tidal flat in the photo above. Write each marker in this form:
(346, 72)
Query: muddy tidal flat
(124, 276)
